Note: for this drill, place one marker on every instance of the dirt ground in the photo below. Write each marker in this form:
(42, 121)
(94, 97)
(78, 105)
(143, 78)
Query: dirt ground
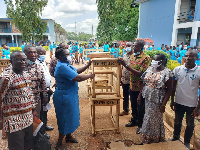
(84, 135)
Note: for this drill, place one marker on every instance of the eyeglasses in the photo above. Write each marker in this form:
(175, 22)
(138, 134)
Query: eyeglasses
(20, 60)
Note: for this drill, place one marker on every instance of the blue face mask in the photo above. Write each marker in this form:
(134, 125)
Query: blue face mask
(138, 53)
(42, 58)
(30, 62)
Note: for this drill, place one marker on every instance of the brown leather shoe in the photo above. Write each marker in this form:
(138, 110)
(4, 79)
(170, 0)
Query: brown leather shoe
(123, 113)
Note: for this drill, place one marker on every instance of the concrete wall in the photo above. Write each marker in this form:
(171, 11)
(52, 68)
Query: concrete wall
(156, 21)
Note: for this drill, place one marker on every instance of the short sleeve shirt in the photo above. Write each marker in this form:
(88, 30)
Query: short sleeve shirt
(80, 50)
(140, 63)
(188, 85)
(125, 73)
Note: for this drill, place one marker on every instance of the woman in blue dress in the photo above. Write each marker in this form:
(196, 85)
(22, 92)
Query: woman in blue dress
(65, 98)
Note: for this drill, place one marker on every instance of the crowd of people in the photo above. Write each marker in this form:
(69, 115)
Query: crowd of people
(152, 84)
(25, 91)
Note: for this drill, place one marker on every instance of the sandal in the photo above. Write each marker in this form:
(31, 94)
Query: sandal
(71, 140)
(58, 145)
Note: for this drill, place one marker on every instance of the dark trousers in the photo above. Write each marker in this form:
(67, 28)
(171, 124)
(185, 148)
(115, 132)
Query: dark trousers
(21, 140)
(43, 116)
(137, 110)
(179, 114)
(126, 88)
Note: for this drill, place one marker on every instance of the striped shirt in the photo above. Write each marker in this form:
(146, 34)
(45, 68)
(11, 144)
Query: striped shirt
(16, 101)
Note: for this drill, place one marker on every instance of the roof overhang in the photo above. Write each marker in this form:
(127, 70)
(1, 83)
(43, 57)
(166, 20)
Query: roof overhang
(140, 1)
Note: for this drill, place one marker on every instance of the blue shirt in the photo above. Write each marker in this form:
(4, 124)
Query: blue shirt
(76, 48)
(106, 48)
(54, 46)
(22, 47)
(51, 47)
(80, 50)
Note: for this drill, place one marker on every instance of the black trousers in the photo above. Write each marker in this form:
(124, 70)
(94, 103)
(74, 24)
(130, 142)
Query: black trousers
(21, 140)
(137, 110)
(179, 114)
(126, 89)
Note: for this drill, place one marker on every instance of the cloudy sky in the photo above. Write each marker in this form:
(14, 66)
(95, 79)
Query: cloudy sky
(67, 12)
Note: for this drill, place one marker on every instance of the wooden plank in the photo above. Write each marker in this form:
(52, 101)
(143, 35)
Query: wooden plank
(107, 129)
(105, 102)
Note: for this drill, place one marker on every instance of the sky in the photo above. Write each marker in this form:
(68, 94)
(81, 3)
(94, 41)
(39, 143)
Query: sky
(67, 12)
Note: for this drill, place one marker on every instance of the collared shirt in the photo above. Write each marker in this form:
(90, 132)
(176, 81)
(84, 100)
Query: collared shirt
(140, 63)
(38, 80)
(47, 75)
(125, 73)
(16, 101)
(188, 84)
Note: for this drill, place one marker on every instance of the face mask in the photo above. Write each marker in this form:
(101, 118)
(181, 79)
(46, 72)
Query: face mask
(128, 49)
(138, 53)
(42, 58)
(155, 64)
(30, 62)
(69, 58)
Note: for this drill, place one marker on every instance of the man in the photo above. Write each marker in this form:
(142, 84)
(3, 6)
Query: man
(186, 79)
(81, 53)
(76, 53)
(41, 57)
(51, 50)
(37, 78)
(139, 62)
(125, 80)
(17, 104)
(23, 45)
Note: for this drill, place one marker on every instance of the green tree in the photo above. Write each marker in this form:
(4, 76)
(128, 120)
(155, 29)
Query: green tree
(26, 17)
(117, 20)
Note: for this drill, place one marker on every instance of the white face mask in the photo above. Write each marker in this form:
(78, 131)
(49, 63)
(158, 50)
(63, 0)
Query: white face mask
(128, 49)
(69, 58)
(155, 64)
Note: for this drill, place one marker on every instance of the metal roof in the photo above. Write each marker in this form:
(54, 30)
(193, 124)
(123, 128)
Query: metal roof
(140, 1)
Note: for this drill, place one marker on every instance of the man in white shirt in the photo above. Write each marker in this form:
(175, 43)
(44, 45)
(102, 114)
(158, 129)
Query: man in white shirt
(41, 57)
(186, 100)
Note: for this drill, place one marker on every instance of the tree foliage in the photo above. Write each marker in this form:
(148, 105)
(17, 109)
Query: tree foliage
(81, 36)
(117, 20)
(26, 17)
(59, 29)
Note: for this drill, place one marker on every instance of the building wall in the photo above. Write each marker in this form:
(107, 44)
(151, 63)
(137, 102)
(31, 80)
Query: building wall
(51, 31)
(156, 21)
(197, 11)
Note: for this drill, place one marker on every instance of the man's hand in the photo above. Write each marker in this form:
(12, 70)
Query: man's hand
(92, 76)
(162, 108)
(194, 113)
(121, 61)
(172, 105)
(49, 92)
(89, 63)
(35, 114)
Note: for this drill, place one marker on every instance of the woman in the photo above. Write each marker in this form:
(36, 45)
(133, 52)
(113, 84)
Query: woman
(65, 98)
(5, 52)
(157, 87)
(173, 54)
